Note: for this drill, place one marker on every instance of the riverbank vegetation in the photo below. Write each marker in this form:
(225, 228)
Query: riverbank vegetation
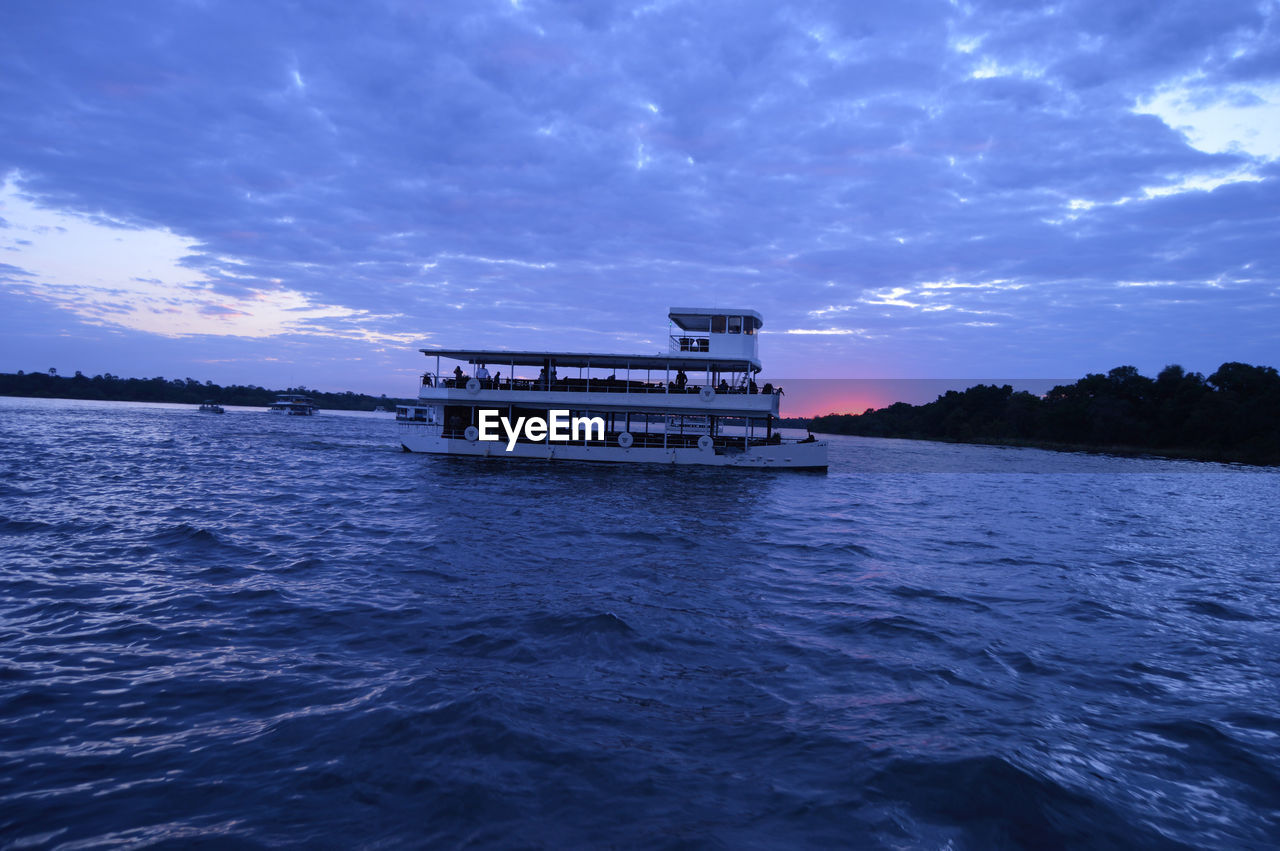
(178, 390)
(1232, 415)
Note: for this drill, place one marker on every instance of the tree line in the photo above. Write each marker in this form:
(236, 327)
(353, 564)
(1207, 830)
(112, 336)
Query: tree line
(1233, 415)
(178, 390)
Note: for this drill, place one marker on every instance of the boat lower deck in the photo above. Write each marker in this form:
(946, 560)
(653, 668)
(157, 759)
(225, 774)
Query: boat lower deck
(652, 448)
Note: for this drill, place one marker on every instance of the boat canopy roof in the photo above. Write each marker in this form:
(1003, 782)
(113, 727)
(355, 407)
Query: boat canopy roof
(699, 318)
(675, 360)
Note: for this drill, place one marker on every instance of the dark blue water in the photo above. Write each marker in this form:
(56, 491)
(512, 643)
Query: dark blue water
(255, 631)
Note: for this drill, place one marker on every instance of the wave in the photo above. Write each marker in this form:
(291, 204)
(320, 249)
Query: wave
(370, 649)
(1217, 610)
(996, 804)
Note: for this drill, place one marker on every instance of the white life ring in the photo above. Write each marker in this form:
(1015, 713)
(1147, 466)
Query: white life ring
(705, 442)
(625, 440)
(473, 386)
(472, 433)
(706, 393)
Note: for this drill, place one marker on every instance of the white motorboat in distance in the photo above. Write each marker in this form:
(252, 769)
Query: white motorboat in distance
(208, 406)
(696, 404)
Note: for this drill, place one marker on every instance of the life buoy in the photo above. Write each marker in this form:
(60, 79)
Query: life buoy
(705, 442)
(473, 386)
(472, 433)
(706, 393)
(625, 440)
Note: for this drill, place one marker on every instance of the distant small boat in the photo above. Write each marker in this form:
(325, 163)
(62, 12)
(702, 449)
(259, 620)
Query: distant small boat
(211, 407)
(293, 405)
(379, 410)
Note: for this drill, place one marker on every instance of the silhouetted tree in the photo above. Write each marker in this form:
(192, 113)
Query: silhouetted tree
(1234, 414)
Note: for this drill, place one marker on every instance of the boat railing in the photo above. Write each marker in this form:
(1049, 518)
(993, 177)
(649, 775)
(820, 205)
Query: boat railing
(690, 343)
(589, 385)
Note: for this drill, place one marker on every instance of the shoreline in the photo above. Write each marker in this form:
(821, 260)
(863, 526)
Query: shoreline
(1173, 453)
(111, 388)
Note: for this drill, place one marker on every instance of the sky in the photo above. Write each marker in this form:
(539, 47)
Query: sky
(307, 193)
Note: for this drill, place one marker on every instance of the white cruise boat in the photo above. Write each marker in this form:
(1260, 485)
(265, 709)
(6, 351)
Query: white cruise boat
(293, 405)
(696, 404)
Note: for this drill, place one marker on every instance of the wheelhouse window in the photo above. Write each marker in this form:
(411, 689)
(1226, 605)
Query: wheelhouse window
(698, 323)
(735, 324)
(717, 324)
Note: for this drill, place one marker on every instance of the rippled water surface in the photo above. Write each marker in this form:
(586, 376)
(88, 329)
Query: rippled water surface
(253, 630)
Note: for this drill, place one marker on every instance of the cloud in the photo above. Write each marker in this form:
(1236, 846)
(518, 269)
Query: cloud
(539, 174)
(1221, 119)
(138, 283)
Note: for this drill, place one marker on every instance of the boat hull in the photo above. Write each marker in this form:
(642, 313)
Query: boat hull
(785, 456)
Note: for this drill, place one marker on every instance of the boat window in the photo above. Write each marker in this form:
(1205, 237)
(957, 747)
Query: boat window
(717, 325)
(697, 323)
(749, 325)
(735, 324)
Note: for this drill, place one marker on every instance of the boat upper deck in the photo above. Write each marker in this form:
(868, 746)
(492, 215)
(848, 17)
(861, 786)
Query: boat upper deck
(600, 360)
(717, 347)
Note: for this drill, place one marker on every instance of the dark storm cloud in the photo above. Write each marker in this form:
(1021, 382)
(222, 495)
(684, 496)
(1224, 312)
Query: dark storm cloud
(536, 174)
